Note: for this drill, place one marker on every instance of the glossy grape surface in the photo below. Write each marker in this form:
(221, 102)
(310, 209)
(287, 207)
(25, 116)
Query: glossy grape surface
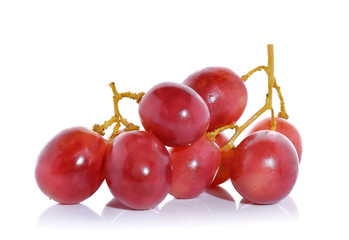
(264, 167)
(224, 93)
(174, 113)
(194, 167)
(226, 158)
(70, 167)
(138, 169)
(286, 128)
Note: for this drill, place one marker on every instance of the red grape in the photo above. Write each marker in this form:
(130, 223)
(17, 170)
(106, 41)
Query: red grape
(70, 167)
(224, 93)
(286, 128)
(138, 169)
(264, 167)
(194, 167)
(174, 113)
(223, 170)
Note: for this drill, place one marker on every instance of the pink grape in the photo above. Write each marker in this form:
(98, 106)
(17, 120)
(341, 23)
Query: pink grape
(174, 113)
(138, 169)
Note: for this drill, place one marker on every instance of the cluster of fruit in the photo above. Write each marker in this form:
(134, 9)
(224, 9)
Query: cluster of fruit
(182, 150)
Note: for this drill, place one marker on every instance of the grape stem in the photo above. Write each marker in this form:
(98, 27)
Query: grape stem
(117, 118)
(269, 70)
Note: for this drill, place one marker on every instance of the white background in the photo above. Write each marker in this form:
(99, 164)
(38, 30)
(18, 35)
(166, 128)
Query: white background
(57, 58)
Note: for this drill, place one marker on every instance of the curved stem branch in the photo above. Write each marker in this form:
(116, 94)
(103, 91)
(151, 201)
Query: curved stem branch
(249, 74)
(117, 118)
(269, 70)
(282, 112)
(240, 129)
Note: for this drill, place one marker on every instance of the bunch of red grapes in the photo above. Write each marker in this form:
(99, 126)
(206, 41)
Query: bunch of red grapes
(182, 150)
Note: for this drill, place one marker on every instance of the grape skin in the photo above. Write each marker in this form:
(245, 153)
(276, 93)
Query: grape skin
(264, 167)
(174, 113)
(194, 167)
(223, 91)
(286, 128)
(138, 170)
(70, 167)
(226, 158)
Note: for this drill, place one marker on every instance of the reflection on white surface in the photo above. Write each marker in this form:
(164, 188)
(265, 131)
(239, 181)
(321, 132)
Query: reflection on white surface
(214, 207)
(285, 210)
(69, 216)
(116, 215)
